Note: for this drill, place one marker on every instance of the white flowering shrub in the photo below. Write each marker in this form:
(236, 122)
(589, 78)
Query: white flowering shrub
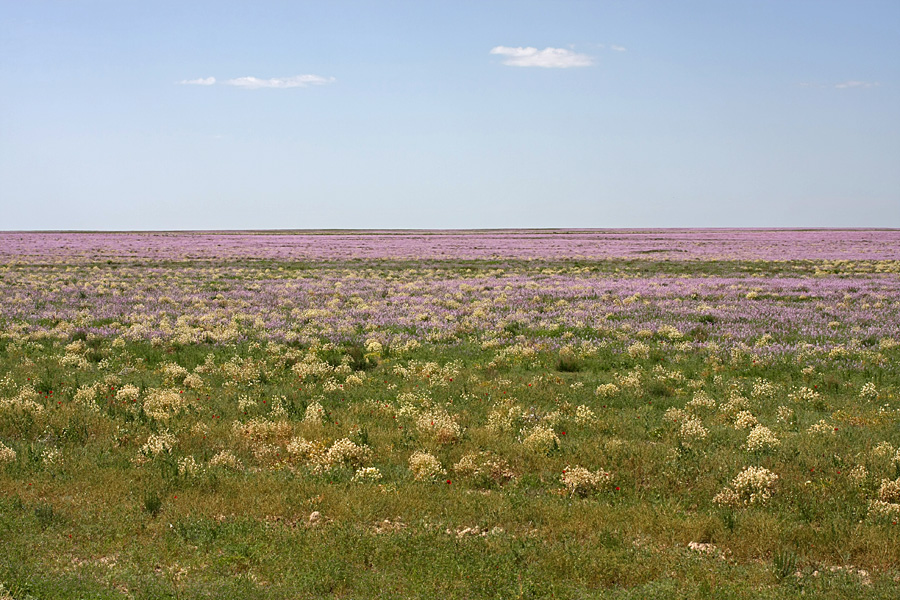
(189, 467)
(753, 485)
(157, 444)
(193, 382)
(859, 474)
(670, 332)
(869, 392)
(439, 425)
(763, 389)
(346, 452)
(306, 450)
(25, 402)
(314, 414)
(173, 372)
(883, 450)
(367, 475)
(505, 418)
(259, 430)
(701, 400)
(582, 482)
(374, 347)
(675, 415)
(163, 404)
(540, 439)
(584, 415)
(7, 454)
(127, 393)
(226, 460)
(761, 439)
(805, 394)
(879, 509)
(821, 428)
(639, 350)
(425, 466)
(745, 420)
(889, 490)
(784, 414)
(484, 468)
(607, 390)
(692, 432)
(86, 396)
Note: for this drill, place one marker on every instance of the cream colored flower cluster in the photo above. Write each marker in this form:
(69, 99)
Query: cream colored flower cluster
(311, 367)
(314, 414)
(584, 415)
(439, 425)
(670, 332)
(805, 394)
(506, 416)
(675, 415)
(7, 454)
(262, 429)
(579, 481)
(24, 402)
(763, 388)
(343, 452)
(189, 467)
(745, 420)
(692, 431)
(127, 393)
(484, 467)
(701, 400)
(639, 350)
(540, 439)
(888, 503)
(173, 372)
(156, 444)
(632, 380)
(784, 414)
(761, 439)
(606, 390)
(86, 396)
(425, 466)
(753, 485)
(367, 474)
(227, 460)
(869, 391)
(162, 404)
(346, 452)
(821, 428)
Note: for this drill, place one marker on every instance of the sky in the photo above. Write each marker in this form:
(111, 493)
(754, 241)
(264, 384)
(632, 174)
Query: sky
(128, 115)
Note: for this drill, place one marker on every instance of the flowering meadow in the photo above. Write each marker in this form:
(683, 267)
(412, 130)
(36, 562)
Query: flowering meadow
(450, 414)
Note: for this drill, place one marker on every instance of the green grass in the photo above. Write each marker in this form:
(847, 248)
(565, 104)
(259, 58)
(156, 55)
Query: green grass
(87, 512)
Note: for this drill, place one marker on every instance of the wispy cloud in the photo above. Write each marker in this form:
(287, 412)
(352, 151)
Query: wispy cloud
(617, 48)
(551, 58)
(856, 84)
(200, 81)
(255, 83)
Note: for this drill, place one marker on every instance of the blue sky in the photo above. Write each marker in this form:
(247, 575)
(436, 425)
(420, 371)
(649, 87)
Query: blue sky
(448, 114)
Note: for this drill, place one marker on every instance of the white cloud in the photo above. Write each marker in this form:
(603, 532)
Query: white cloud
(617, 48)
(254, 83)
(200, 81)
(553, 58)
(856, 84)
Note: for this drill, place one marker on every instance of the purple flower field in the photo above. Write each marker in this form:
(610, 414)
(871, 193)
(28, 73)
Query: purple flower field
(551, 244)
(811, 289)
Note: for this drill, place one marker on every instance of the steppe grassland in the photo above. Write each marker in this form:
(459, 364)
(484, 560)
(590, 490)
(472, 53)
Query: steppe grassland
(628, 415)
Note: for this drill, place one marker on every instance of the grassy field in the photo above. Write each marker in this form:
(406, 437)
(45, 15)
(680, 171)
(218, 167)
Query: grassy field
(456, 429)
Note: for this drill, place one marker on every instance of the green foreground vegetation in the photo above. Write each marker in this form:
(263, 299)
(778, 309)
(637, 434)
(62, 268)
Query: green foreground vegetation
(537, 463)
